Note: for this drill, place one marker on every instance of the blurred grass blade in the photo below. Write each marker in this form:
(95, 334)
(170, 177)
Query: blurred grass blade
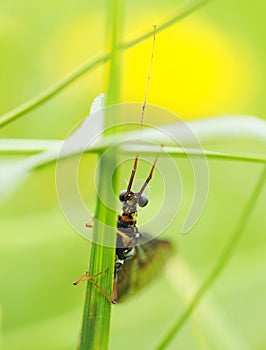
(30, 146)
(224, 129)
(50, 92)
(12, 174)
(209, 318)
(98, 104)
(27, 146)
(219, 266)
(192, 153)
(229, 127)
(189, 134)
(204, 130)
(183, 10)
(94, 124)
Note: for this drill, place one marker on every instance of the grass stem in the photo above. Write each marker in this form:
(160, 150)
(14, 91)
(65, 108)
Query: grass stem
(183, 10)
(97, 309)
(219, 266)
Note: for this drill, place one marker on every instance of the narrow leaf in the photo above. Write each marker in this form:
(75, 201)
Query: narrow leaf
(97, 309)
(218, 267)
(183, 10)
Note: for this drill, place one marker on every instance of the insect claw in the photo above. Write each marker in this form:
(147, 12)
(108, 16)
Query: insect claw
(90, 223)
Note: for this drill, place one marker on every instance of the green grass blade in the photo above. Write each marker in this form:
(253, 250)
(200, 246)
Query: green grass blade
(210, 320)
(97, 309)
(53, 90)
(13, 175)
(219, 266)
(206, 130)
(195, 153)
(183, 10)
(27, 146)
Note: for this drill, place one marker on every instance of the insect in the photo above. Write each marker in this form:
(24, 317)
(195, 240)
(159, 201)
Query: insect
(139, 257)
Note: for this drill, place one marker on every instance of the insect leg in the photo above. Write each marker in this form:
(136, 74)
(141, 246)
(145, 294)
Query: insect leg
(127, 239)
(90, 223)
(110, 298)
(85, 277)
(114, 296)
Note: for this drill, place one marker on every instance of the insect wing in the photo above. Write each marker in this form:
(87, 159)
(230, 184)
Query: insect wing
(146, 263)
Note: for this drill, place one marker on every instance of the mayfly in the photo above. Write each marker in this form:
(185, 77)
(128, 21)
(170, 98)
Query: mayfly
(139, 257)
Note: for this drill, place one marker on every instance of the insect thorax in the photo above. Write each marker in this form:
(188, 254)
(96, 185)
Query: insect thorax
(127, 233)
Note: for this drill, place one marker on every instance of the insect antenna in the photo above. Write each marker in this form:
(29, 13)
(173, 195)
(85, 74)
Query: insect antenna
(132, 174)
(149, 78)
(142, 119)
(148, 178)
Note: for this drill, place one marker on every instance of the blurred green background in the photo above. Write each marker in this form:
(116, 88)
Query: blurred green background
(211, 63)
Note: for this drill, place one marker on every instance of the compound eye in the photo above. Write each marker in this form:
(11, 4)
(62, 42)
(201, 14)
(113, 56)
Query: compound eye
(143, 200)
(122, 196)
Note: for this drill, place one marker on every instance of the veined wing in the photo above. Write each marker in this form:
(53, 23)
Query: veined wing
(146, 263)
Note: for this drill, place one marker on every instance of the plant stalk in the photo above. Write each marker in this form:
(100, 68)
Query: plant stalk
(219, 266)
(182, 11)
(97, 308)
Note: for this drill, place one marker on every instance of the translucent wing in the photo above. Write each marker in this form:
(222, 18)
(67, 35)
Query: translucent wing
(146, 263)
